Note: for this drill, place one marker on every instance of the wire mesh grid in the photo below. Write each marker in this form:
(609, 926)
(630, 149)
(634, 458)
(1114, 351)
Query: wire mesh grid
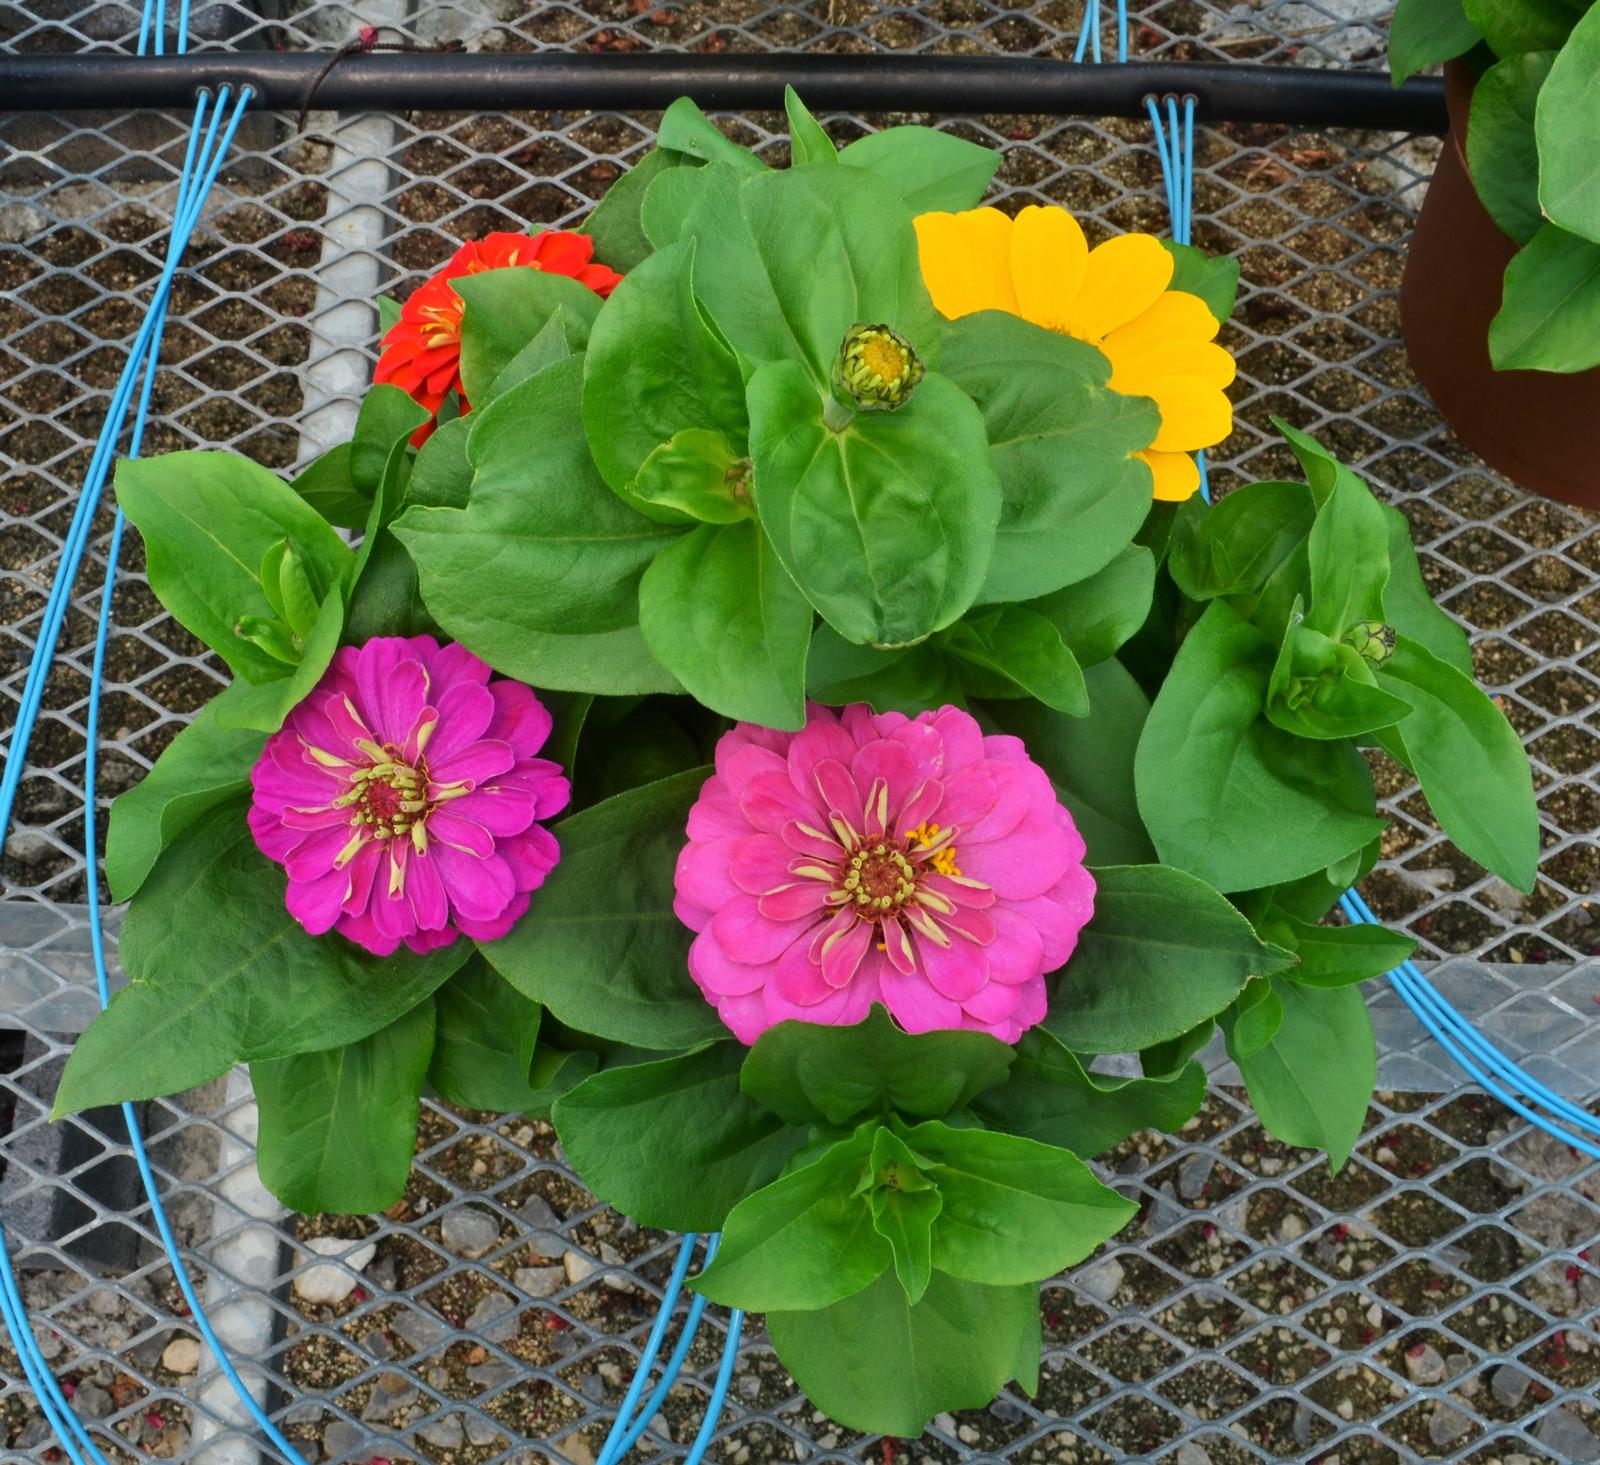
(1437, 1299)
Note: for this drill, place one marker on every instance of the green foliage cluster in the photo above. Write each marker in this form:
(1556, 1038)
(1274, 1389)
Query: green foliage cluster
(662, 514)
(1533, 150)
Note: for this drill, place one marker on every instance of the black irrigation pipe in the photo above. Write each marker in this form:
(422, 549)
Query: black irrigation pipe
(564, 81)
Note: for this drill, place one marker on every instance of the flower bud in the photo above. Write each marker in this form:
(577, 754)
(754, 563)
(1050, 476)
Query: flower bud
(877, 369)
(1373, 640)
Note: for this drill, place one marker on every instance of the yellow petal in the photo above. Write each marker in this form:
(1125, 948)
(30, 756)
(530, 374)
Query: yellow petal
(1131, 369)
(1175, 315)
(1048, 258)
(966, 261)
(1193, 415)
(1175, 474)
(1124, 278)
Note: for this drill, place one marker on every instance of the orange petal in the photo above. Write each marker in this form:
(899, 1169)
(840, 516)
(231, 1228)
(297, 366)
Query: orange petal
(1124, 278)
(966, 261)
(1048, 258)
(1193, 415)
(1132, 368)
(1175, 474)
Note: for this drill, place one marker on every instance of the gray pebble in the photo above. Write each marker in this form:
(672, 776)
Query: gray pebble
(541, 1281)
(342, 1438)
(1300, 1427)
(1567, 1437)
(1193, 1176)
(469, 1232)
(480, 1432)
(1190, 1453)
(494, 1319)
(91, 1402)
(1509, 1385)
(1447, 1424)
(1101, 1279)
(1425, 1365)
(491, 1375)
(537, 1214)
(392, 1393)
(36, 1431)
(445, 1434)
(420, 1330)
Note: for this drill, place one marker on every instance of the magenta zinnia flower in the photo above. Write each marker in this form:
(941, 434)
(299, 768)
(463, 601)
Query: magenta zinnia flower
(913, 862)
(402, 794)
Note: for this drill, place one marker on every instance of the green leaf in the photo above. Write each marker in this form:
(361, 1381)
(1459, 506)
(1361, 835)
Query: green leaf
(503, 310)
(1409, 608)
(1214, 278)
(809, 1073)
(1338, 956)
(694, 477)
(1549, 316)
(387, 418)
(1310, 1084)
(785, 263)
(908, 679)
(804, 1241)
(808, 143)
(207, 519)
(539, 573)
(1514, 26)
(200, 768)
(1014, 1210)
(206, 992)
(673, 1143)
(686, 129)
(556, 1071)
(1469, 760)
(905, 1204)
(655, 366)
(1097, 615)
(879, 1363)
(1024, 653)
(614, 224)
(484, 1042)
(441, 477)
(1502, 151)
(1348, 549)
(1242, 541)
(264, 707)
(601, 947)
(1212, 774)
(1426, 32)
(554, 342)
(1321, 688)
(887, 524)
(1162, 953)
(1063, 443)
(930, 170)
(338, 1127)
(1090, 761)
(1168, 1059)
(326, 485)
(1249, 1025)
(1051, 1097)
(723, 616)
(388, 314)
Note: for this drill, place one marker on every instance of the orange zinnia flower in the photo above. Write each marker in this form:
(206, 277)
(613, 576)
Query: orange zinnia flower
(422, 350)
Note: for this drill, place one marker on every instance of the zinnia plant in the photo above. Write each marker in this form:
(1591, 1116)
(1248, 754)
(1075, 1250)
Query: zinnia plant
(927, 742)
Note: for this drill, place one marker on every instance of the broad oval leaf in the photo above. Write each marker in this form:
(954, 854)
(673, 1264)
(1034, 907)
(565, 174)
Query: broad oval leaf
(1502, 150)
(503, 310)
(1162, 953)
(1426, 32)
(930, 170)
(485, 1033)
(205, 993)
(1549, 316)
(673, 1143)
(886, 525)
(1073, 493)
(601, 948)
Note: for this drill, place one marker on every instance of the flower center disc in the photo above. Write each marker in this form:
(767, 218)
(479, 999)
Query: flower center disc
(879, 879)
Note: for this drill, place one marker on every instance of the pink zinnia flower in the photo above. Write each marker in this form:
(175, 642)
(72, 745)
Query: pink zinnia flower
(913, 862)
(401, 797)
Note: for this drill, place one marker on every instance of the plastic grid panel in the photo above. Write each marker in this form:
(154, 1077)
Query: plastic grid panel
(268, 352)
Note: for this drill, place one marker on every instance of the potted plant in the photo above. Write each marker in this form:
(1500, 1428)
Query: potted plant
(1501, 298)
(787, 717)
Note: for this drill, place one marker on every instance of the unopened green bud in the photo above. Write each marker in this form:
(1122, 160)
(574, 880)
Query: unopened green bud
(270, 635)
(877, 369)
(1372, 640)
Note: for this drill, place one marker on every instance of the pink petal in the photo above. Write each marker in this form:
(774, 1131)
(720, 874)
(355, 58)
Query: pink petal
(822, 738)
(973, 922)
(363, 930)
(448, 828)
(531, 856)
(799, 980)
(394, 687)
(920, 807)
(794, 902)
(477, 763)
(806, 838)
(993, 1005)
(740, 760)
(466, 711)
(839, 792)
(892, 763)
(1017, 952)
(499, 810)
(450, 664)
(314, 854)
(842, 952)
(968, 796)
(316, 903)
(914, 1004)
(423, 942)
(957, 970)
(759, 863)
(960, 735)
(495, 927)
(715, 971)
(769, 802)
(480, 888)
(747, 935)
(425, 890)
(715, 814)
(1016, 794)
(520, 719)
(703, 873)
(1025, 863)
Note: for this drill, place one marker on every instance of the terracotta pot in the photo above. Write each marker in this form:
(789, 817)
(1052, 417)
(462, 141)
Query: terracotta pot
(1539, 428)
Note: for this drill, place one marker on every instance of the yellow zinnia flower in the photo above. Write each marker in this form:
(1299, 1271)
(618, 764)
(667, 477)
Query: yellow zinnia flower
(1114, 296)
